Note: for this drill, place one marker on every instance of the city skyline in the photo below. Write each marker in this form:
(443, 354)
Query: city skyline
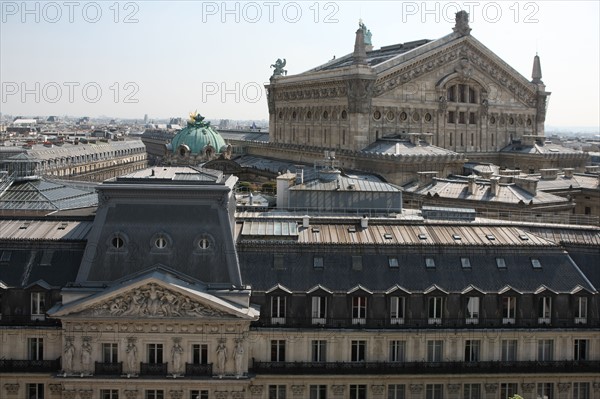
(127, 59)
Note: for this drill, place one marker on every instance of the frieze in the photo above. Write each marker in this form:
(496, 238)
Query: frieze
(564, 386)
(221, 394)
(298, 389)
(338, 389)
(527, 386)
(310, 92)
(469, 57)
(416, 389)
(256, 389)
(453, 388)
(178, 394)
(491, 388)
(152, 300)
(55, 389)
(237, 395)
(12, 389)
(377, 389)
(85, 393)
(71, 394)
(131, 393)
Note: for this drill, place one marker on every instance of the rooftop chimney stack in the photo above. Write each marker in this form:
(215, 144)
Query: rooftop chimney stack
(495, 185)
(472, 184)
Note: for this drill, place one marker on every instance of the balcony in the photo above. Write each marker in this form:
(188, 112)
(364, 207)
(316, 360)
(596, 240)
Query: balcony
(318, 368)
(359, 321)
(472, 320)
(581, 320)
(27, 320)
(320, 321)
(29, 366)
(108, 368)
(396, 320)
(278, 320)
(198, 370)
(156, 369)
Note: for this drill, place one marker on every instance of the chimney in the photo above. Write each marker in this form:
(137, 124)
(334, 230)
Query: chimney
(359, 57)
(414, 138)
(251, 197)
(305, 221)
(472, 184)
(549, 174)
(527, 184)
(592, 169)
(299, 174)
(568, 173)
(364, 222)
(426, 178)
(495, 185)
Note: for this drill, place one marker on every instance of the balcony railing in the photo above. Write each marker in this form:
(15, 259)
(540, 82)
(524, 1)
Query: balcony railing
(198, 370)
(429, 323)
(424, 367)
(27, 320)
(153, 369)
(29, 366)
(108, 368)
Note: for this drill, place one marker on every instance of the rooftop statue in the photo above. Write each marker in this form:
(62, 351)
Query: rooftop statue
(366, 32)
(197, 120)
(278, 65)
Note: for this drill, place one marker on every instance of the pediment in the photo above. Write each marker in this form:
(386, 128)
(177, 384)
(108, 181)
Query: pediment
(152, 299)
(463, 58)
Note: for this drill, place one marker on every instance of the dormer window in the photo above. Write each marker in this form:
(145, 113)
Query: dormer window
(118, 242)
(160, 242)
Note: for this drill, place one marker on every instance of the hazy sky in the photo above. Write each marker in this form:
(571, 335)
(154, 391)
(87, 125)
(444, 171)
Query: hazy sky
(127, 59)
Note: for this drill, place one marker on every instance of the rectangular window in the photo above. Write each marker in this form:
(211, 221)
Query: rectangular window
(278, 309)
(545, 390)
(472, 391)
(110, 353)
(318, 262)
(544, 309)
(435, 310)
(580, 349)
(397, 351)
(508, 389)
(109, 394)
(545, 350)
(155, 353)
(38, 305)
(358, 351)
(200, 354)
(581, 310)
(472, 311)
(36, 349)
(429, 263)
(319, 309)
(434, 391)
(472, 350)
(462, 94)
(509, 350)
(461, 119)
(393, 261)
(397, 310)
(318, 391)
(396, 391)
(358, 392)
(154, 394)
(359, 310)
(35, 391)
(319, 350)
(278, 350)
(465, 263)
(277, 391)
(509, 309)
(500, 263)
(434, 350)
(195, 394)
(472, 98)
(451, 93)
(451, 118)
(581, 390)
(471, 122)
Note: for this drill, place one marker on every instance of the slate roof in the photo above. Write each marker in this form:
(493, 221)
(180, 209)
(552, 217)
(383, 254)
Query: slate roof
(48, 195)
(547, 148)
(404, 147)
(578, 180)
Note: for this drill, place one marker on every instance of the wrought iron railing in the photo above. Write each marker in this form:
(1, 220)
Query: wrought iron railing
(153, 369)
(425, 367)
(27, 320)
(192, 370)
(29, 366)
(108, 368)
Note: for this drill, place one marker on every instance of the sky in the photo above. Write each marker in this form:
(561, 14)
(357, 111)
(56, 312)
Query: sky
(131, 58)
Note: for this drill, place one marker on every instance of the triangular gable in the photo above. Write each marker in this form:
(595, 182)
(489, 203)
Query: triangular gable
(359, 288)
(394, 290)
(434, 288)
(578, 288)
(542, 288)
(319, 287)
(39, 283)
(508, 288)
(278, 287)
(471, 289)
(153, 297)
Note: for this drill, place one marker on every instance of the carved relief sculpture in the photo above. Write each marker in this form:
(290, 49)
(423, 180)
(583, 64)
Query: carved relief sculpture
(239, 359)
(69, 355)
(86, 355)
(221, 357)
(176, 354)
(131, 351)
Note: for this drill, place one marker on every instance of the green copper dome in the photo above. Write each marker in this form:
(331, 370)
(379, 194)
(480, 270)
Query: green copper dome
(196, 136)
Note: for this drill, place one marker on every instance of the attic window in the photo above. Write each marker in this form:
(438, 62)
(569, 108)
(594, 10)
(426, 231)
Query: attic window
(318, 262)
(357, 263)
(160, 242)
(351, 229)
(422, 236)
(387, 236)
(536, 263)
(62, 226)
(456, 237)
(500, 263)
(46, 258)
(316, 229)
(465, 263)
(393, 262)
(25, 225)
(5, 257)
(429, 263)
(490, 237)
(524, 237)
(117, 242)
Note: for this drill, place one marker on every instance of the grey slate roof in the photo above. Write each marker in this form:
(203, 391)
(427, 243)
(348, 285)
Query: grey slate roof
(48, 195)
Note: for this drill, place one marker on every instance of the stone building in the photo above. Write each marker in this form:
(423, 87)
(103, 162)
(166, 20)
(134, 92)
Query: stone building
(167, 294)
